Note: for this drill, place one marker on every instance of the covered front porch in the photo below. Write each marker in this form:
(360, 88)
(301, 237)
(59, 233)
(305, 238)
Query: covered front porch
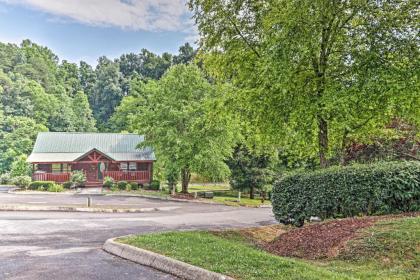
(96, 166)
(141, 177)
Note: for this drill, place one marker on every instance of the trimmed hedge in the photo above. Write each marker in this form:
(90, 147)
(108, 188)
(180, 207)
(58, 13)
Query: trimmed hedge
(37, 185)
(381, 188)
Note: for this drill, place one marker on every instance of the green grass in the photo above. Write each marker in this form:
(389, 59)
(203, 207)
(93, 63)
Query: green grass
(388, 250)
(233, 257)
(202, 188)
(231, 201)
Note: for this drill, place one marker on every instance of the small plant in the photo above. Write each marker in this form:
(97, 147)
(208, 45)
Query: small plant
(20, 167)
(122, 185)
(78, 178)
(41, 189)
(45, 184)
(154, 185)
(22, 181)
(134, 186)
(5, 179)
(67, 185)
(114, 188)
(128, 187)
(108, 182)
(55, 188)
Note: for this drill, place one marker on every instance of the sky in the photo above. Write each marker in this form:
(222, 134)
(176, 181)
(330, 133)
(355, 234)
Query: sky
(87, 29)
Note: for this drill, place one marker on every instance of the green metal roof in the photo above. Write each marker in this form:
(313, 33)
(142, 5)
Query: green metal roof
(68, 146)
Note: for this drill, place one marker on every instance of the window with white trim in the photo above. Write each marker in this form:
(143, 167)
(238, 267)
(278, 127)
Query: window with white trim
(123, 166)
(132, 166)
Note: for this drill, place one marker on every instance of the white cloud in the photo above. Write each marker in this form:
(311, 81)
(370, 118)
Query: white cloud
(150, 15)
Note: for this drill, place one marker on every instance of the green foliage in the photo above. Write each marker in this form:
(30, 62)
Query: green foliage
(55, 188)
(128, 188)
(313, 75)
(35, 185)
(379, 188)
(20, 167)
(108, 182)
(122, 185)
(22, 181)
(5, 179)
(78, 178)
(67, 185)
(250, 171)
(182, 119)
(114, 188)
(134, 186)
(154, 185)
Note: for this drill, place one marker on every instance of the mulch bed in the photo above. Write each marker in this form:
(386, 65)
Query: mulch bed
(322, 240)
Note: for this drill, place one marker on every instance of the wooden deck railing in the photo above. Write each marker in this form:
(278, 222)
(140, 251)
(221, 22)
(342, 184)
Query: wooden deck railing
(56, 177)
(128, 175)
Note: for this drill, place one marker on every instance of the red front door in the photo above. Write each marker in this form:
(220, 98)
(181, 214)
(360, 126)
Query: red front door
(92, 172)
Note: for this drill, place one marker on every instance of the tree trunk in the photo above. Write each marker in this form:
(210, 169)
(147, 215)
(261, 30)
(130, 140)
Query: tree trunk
(251, 192)
(185, 176)
(323, 141)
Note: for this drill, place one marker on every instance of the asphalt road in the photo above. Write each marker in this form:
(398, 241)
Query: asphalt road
(58, 245)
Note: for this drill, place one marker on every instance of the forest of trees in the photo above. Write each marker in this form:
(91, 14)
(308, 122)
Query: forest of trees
(38, 92)
(273, 85)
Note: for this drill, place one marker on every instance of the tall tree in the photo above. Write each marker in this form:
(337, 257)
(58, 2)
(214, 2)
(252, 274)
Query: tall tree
(311, 73)
(250, 170)
(181, 118)
(84, 120)
(107, 92)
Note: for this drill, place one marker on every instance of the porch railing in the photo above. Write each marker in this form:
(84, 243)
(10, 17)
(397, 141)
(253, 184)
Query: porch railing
(128, 175)
(56, 177)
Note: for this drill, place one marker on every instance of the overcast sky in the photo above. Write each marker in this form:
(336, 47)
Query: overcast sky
(86, 29)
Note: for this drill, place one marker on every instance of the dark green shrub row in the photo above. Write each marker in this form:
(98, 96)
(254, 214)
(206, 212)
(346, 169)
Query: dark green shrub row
(380, 188)
(38, 185)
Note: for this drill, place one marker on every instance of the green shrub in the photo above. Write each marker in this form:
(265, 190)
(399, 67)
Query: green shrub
(36, 184)
(134, 186)
(68, 185)
(114, 188)
(78, 178)
(121, 185)
(128, 187)
(41, 189)
(380, 188)
(108, 182)
(22, 181)
(55, 188)
(5, 179)
(154, 185)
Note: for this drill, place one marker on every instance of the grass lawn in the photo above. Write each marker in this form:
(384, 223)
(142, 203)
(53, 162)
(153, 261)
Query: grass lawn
(231, 201)
(388, 250)
(203, 188)
(233, 257)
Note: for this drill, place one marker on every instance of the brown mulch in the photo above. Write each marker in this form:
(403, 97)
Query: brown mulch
(322, 240)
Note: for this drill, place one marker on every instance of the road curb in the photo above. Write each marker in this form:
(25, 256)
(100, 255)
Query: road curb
(9, 207)
(160, 262)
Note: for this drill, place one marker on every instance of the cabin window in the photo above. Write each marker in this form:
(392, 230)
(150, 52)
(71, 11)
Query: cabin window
(143, 166)
(123, 166)
(132, 166)
(56, 168)
(59, 167)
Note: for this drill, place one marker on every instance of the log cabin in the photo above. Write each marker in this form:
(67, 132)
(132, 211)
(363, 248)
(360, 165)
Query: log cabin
(56, 154)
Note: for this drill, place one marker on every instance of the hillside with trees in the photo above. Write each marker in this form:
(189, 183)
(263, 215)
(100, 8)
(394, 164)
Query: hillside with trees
(39, 92)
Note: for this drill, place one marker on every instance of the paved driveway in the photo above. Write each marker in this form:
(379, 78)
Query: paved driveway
(57, 245)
